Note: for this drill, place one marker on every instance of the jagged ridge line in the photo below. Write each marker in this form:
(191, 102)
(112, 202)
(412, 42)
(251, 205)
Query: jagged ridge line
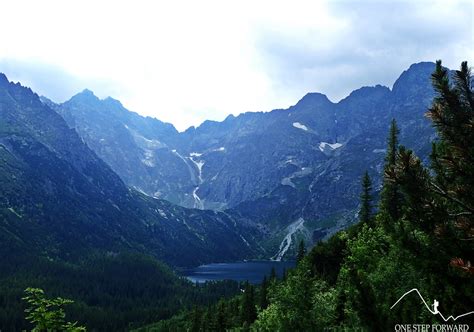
(427, 307)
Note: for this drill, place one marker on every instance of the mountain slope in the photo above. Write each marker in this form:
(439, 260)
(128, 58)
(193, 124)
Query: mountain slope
(59, 199)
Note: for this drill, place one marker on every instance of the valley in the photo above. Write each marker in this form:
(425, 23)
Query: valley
(92, 191)
(236, 166)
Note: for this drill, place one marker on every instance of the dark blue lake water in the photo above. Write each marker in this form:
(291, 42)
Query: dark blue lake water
(253, 271)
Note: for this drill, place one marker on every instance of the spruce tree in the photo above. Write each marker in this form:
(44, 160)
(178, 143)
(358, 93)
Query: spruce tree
(390, 196)
(365, 213)
(391, 156)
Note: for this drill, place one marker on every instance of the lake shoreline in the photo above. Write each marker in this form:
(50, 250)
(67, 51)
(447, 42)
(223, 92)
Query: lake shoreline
(252, 271)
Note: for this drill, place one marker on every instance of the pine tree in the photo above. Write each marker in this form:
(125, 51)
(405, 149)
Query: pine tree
(452, 158)
(453, 116)
(301, 251)
(365, 213)
(437, 211)
(443, 205)
(390, 196)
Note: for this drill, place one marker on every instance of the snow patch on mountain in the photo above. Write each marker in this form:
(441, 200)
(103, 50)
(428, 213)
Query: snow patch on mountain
(162, 213)
(325, 146)
(300, 126)
(379, 150)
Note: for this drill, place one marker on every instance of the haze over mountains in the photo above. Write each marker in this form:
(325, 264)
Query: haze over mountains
(269, 169)
(58, 199)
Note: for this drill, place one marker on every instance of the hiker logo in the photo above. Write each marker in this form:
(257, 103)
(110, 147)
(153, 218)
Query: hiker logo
(435, 311)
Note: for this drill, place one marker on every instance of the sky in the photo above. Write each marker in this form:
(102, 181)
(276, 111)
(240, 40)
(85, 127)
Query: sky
(184, 62)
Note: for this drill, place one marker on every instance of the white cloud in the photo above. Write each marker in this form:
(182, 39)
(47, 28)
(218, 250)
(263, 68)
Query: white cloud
(187, 61)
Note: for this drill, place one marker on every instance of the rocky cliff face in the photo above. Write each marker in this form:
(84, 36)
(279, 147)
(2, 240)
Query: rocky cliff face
(273, 168)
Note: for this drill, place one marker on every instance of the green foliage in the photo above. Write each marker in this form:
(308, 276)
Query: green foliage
(424, 222)
(420, 238)
(114, 292)
(301, 303)
(452, 114)
(48, 314)
(327, 257)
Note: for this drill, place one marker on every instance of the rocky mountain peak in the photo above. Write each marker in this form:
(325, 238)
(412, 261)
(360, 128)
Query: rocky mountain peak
(366, 93)
(417, 76)
(312, 99)
(86, 96)
(113, 102)
(3, 79)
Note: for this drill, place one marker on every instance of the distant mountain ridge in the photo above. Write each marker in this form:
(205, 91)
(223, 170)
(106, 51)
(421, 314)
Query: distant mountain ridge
(269, 168)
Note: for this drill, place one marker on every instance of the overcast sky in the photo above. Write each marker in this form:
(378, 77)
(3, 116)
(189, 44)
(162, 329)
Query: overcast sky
(187, 61)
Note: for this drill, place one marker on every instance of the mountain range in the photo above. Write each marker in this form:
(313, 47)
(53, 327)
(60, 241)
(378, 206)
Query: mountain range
(291, 173)
(89, 175)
